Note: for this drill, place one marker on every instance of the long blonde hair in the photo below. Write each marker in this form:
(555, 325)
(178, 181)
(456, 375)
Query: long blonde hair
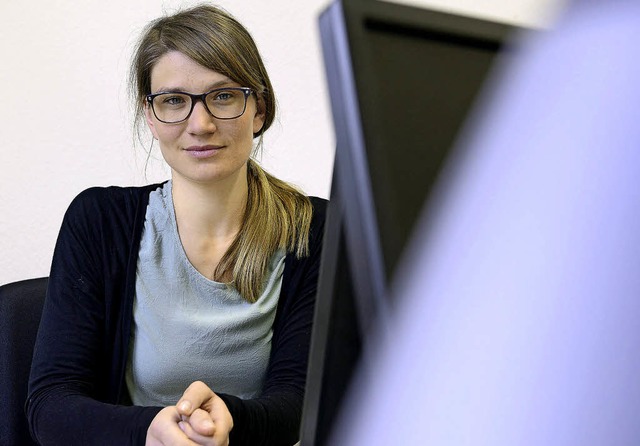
(277, 215)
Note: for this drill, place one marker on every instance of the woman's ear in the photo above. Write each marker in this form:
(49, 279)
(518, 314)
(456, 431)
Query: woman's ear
(148, 114)
(259, 117)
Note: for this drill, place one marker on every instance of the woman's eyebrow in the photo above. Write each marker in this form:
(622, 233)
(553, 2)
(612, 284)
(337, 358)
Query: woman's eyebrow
(222, 83)
(213, 86)
(170, 90)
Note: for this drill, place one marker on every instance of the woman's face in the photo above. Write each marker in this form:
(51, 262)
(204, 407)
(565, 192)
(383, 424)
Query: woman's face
(202, 149)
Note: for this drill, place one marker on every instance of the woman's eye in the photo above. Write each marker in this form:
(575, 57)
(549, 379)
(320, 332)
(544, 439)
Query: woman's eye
(173, 100)
(224, 96)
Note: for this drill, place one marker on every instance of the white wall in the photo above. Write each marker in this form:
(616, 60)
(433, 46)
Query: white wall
(64, 116)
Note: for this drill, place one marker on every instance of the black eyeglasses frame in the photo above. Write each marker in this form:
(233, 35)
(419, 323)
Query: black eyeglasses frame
(199, 97)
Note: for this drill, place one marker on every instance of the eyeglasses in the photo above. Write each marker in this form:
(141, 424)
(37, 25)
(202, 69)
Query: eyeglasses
(221, 103)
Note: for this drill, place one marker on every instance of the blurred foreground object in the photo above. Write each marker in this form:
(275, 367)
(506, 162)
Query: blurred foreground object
(520, 314)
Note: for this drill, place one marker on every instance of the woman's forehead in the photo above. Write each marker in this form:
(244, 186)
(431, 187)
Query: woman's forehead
(176, 71)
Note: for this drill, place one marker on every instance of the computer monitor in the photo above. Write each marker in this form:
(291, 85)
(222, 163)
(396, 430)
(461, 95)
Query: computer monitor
(402, 81)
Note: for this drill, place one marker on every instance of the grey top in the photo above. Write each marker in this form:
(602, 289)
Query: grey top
(187, 327)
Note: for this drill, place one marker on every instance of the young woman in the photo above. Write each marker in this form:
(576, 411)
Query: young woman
(180, 313)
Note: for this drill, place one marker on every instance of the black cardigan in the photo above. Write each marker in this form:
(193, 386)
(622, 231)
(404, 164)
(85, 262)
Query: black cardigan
(77, 391)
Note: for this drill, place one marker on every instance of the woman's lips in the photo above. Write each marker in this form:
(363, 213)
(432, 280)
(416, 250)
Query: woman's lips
(203, 151)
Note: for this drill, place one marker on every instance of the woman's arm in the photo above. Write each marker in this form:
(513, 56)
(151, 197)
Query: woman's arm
(274, 418)
(70, 399)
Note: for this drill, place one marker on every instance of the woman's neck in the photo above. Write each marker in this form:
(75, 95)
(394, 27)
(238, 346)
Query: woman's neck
(210, 210)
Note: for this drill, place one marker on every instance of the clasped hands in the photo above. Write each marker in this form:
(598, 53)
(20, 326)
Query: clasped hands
(200, 418)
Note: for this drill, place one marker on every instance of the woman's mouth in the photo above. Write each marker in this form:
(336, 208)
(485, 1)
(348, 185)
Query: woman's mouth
(203, 151)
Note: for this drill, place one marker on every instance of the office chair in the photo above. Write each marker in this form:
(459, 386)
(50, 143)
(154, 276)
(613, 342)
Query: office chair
(20, 311)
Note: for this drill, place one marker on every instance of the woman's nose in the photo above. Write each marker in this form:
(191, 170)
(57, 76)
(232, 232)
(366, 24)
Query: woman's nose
(201, 121)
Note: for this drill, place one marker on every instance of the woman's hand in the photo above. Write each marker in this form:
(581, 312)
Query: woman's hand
(205, 417)
(165, 430)
(200, 418)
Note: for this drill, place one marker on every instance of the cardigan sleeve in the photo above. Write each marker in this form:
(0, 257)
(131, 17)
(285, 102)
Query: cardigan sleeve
(66, 397)
(273, 419)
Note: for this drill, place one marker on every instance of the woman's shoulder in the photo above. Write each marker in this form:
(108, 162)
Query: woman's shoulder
(319, 215)
(319, 205)
(114, 195)
(109, 201)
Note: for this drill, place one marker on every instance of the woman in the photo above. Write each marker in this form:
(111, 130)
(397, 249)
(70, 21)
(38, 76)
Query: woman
(181, 313)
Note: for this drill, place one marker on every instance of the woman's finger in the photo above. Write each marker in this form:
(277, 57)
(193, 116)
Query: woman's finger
(202, 440)
(196, 396)
(201, 421)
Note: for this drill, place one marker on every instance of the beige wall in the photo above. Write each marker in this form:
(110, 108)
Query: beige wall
(64, 117)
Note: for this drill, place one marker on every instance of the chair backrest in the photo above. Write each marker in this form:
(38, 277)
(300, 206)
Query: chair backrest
(20, 311)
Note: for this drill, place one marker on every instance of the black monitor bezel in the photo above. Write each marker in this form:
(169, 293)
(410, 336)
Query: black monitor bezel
(351, 219)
